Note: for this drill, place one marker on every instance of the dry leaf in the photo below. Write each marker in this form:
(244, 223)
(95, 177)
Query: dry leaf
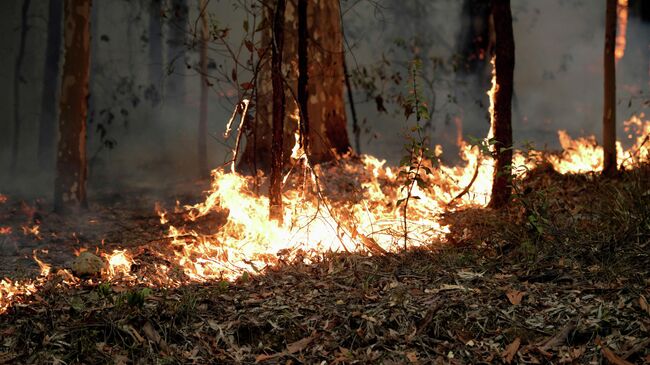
(610, 355)
(515, 296)
(511, 351)
(301, 344)
(412, 357)
(643, 303)
(264, 357)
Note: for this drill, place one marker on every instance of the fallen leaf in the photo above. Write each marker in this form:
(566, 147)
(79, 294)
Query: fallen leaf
(643, 303)
(515, 296)
(511, 350)
(264, 357)
(300, 345)
(412, 357)
(610, 355)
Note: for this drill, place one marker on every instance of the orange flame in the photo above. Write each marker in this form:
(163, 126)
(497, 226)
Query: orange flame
(621, 34)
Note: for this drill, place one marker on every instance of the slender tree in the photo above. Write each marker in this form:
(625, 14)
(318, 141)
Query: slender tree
(609, 103)
(203, 112)
(71, 171)
(277, 160)
(177, 33)
(47, 124)
(303, 74)
(18, 79)
(504, 64)
(155, 50)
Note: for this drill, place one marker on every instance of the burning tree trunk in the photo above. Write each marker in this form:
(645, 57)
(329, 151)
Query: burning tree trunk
(46, 127)
(203, 117)
(17, 81)
(70, 183)
(277, 161)
(303, 76)
(177, 26)
(326, 105)
(609, 103)
(501, 114)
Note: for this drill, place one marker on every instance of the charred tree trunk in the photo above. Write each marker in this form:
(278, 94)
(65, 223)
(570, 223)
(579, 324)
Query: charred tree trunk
(203, 112)
(70, 183)
(277, 160)
(502, 113)
(155, 51)
(303, 75)
(177, 32)
(18, 79)
(47, 123)
(609, 103)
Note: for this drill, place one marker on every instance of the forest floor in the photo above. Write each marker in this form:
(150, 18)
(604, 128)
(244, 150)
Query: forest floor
(561, 276)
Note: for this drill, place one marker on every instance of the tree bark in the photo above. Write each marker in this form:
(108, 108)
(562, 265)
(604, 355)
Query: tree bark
(203, 112)
(177, 32)
(71, 171)
(303, 75)
(24, 27)
(609, 103)
(326, 106)
(47, 123)
(502, 113)
(277, 161)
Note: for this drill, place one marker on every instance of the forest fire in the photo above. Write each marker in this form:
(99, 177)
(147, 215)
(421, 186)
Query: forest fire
(348, 218)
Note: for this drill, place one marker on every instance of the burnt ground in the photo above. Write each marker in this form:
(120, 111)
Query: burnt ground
(561, 276)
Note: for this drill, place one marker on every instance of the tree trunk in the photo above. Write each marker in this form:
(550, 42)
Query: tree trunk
(70, 182)
(277, 161)
(326, 105)
(609, 103)
(47, 124)
(303, 74)
(203, 112)
(24, 27)
(155, 51)
(502, 113)
(177, 32)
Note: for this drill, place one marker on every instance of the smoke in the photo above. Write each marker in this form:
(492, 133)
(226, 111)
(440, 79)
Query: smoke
(558, 84)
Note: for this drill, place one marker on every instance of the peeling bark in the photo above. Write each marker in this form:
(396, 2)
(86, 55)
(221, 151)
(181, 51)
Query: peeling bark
(71, 171)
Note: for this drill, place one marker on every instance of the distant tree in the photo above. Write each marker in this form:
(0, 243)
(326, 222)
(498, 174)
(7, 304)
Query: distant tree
(277, 161)
(473, 46)
(609, 103)
(155, 52)
(502, 114)
(203, 112)
(326, 110)
(71, 171)
(177, 33)
(47, 124)
(18, 79)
